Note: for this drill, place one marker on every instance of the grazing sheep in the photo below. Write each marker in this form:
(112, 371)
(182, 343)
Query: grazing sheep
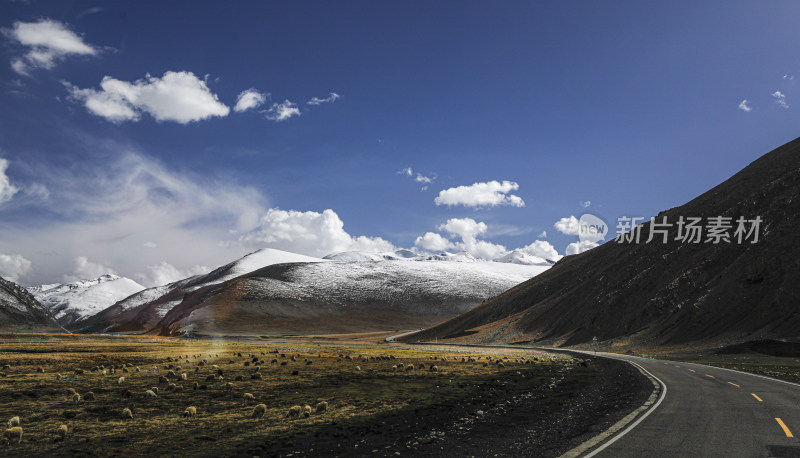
(13, 422)
(229, 386)
(190, 411)
(295, 372)
(294, 411)
(306, 410)
(308, 363)
(126, 413)
(178, 389)
(260, 410)
(171, 387)
(501, 365)
(121, 381)
(283, 363)
(151, 394)
(40, 370)
(274, 361)
(394, 368)
(76, 398)
(88, 396)
(58, 377)
(434, 368)
(183, 376)
(6, 367)
(154, 389)
(195, 386)
(239, 378)
(409, 368)
(61, 432)
(170, 374)
(248, 398)
(162, 379)
(322, 406)
(257, 369)
(358, 368)
(10, 433)
(256, 376)
(79, 371)
(71, 391)
(125, 393)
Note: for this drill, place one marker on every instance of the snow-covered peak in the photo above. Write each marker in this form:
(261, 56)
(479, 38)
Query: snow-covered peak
(75, 301)
(521, 257)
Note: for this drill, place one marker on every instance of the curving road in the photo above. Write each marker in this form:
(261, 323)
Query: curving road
(707, 411)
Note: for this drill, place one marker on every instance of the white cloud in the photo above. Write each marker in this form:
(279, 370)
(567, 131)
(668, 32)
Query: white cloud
(432, 241)
(780, 99)
(177, 96)
(249, 99)
(542, 249)
(568, 226)
(487, 194)
(744, 105)
(420, 178)
(468, 230)
(47, 42)
(87, 270)
(150, 244)
(14, 266)
(788, 77)
(543, 234)
(329, 99)
(406, 171)
(282, 111)
(310, 233)
(580, 247)
(164, 273)
(133, 202)
(7, 190)
(586, 204)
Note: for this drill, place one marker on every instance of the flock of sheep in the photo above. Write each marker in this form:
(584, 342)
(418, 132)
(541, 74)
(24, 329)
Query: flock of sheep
(14, 431)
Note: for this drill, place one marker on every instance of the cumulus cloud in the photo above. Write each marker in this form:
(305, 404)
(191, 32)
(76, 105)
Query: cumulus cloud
(46, 42)
(568, 226)
(134, 202)
(329, 99)
(468, 230)
(487, 194)
(432, 241)
(780, 99)
(310, 233)
(87, 270)
(7, 190)
(543, 234)
(580, 247)
(542, 249)
(249, 99)
(744, 105)
(164, 273)
(14, 266)
(282, 111)
(176, 96)
(419, 178)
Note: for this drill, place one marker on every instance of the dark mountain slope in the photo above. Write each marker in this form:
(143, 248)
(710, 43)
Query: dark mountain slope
(20, 312)
(673, 293)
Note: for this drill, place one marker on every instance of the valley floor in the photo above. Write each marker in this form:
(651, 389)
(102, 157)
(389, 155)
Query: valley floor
(475, 401)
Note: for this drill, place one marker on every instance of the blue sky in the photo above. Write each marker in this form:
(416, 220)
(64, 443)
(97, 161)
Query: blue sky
(633, 107)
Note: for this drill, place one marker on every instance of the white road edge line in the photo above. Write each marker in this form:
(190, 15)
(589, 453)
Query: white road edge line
(639, 420)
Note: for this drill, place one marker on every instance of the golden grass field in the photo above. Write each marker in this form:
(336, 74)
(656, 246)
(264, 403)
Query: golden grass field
(224, 425)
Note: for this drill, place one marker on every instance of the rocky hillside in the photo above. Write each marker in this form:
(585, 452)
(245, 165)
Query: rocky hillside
(21, 312)
(673, 293)
(333, 297)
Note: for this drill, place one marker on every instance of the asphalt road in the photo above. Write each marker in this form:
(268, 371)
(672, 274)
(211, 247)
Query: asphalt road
(707, 411)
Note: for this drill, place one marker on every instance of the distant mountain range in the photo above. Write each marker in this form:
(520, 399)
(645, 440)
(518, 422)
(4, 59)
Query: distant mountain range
(73, 302)
(21, 312)
(673, 293)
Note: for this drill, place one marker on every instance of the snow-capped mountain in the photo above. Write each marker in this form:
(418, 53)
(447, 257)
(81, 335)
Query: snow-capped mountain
(335, 297)
(521, 257)
(73, 302)
(144, 309)
(21, 312)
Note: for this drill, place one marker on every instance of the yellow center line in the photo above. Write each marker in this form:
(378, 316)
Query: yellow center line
(710, 376)
(737, 386)
(757, 398)
(785, 429)
(692, 370)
